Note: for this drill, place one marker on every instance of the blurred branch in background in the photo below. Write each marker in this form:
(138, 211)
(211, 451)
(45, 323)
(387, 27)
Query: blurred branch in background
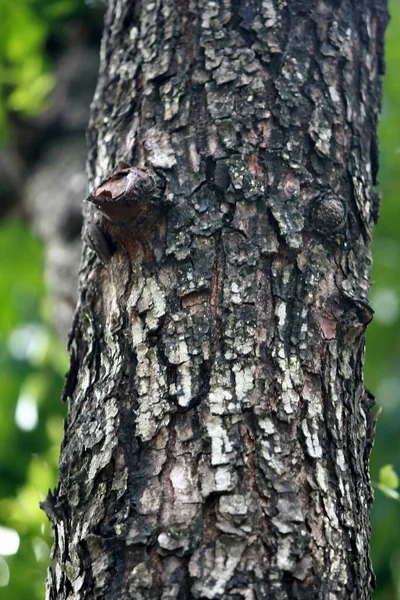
(48, 69)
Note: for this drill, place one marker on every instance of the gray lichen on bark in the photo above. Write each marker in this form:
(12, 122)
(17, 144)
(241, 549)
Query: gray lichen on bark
(219, 433)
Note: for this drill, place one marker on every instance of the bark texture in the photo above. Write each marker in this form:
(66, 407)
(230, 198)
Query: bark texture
(219, 433)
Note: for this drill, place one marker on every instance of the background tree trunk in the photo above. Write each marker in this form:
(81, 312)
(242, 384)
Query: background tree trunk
(219, 432)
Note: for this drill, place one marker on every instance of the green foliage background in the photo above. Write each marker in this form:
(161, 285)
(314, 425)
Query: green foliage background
(33, 361)
(26, 29)
(382, 373)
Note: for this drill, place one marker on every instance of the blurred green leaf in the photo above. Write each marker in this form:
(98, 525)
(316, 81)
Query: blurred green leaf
(60, 9)
(388, 477)
(21, 281)
(31, 97)
(26, 70)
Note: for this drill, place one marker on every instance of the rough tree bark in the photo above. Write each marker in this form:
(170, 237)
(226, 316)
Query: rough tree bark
(219, 431)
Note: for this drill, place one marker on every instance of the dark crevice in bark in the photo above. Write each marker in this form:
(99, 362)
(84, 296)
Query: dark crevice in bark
(216, 299)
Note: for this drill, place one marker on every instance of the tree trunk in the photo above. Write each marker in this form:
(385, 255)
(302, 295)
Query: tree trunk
(219, 433)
